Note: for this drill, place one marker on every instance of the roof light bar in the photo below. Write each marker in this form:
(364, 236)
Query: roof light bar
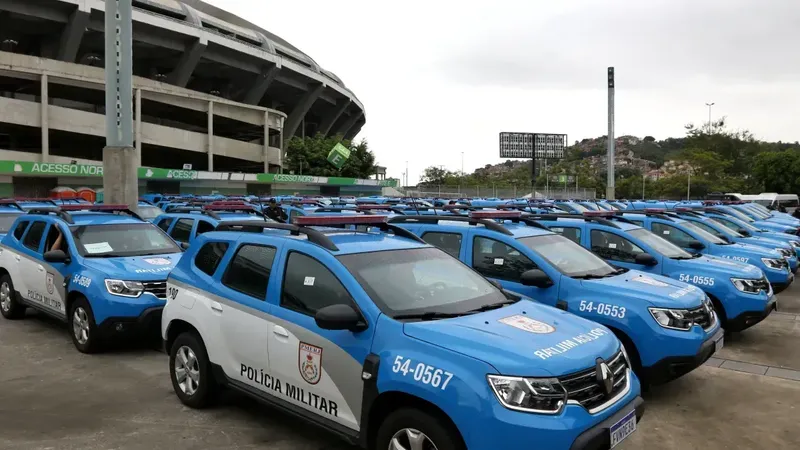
(103, 207)
(603, 213)
(310, 221)
(495, 214)
(655, 210)
(683, 209)
(228, 203)
(374, 207)
(234, 207)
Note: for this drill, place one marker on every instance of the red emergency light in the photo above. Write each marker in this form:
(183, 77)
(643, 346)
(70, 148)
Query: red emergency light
(373, 207)
(234, 207)
(310, 221)
(655, 210)
(228, 203)
(683, 209)
(495, 214)
(110, 207)
(599, 213)
(34, 199)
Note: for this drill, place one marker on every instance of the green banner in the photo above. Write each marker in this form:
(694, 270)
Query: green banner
(148, 173)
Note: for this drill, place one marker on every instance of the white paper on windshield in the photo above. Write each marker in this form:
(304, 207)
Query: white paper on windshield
(309, 281)
(98, 247)
(666, 231)
(612, 245)
(498, 261)
(558, 230)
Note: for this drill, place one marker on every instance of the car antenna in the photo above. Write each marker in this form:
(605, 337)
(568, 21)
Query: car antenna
(416, 208)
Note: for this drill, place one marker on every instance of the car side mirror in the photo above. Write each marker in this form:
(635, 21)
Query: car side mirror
(696, 245)
(184, 245)
(339, 317)
(744, 232)
(535, 278)
(56, 256)
(646, 259)
(726, 239)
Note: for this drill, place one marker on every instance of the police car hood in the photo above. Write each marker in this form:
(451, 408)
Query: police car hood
(525, 338)
(752, 251)
(655, 290)
(707, 265)
(765, 242)
(150, 267)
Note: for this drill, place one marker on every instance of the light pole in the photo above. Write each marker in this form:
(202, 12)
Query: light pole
(462, 171)
(406, 173)
(709, 115)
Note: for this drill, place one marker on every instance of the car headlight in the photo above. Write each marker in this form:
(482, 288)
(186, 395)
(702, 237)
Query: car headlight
(785, 252)
(745, 285)
(124, 288)
(795, 244)
(773, 263)
(533, 395)
(672, 318)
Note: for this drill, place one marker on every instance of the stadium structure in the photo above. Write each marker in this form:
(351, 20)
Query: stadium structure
(210, 89)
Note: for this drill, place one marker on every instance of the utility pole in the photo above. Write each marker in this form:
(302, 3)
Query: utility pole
(644, 177)
(610, 195)
(709, 115)
(406, 173)
(120, 159)
(689, 185)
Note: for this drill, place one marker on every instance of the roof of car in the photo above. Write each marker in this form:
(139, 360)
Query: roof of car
(347, 241)
(82, 218)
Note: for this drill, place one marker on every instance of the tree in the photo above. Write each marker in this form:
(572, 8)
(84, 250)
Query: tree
(309, 156)
(435, 175)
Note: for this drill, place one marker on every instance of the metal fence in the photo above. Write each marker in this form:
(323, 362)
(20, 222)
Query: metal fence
(496, 191)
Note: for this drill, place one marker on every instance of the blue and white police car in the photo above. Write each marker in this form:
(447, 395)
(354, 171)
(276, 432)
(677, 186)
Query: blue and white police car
(101, 268)
(388, 342)
(668, 327)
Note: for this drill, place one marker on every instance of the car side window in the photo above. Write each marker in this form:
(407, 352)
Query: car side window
(34, 236)
(309, 286)
(249, 270)
(449, 242)
(672, 234)
(204, 226)
(182, 231)
(495, 259)
(165, 223)
(53, 242)
(20, 230)
(571, 233)
(209, 257)
(614, 247)
(293, 214)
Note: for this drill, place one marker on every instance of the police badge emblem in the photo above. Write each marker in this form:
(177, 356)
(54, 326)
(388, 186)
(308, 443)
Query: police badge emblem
(310, 362)
(50, 284)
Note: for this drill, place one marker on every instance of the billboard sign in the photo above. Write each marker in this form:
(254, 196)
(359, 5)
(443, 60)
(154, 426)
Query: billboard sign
(522, 145)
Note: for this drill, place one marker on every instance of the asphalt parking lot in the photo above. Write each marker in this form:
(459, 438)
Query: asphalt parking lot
(52, 397)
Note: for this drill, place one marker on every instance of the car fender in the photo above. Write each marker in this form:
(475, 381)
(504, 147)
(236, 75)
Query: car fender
(89, 284)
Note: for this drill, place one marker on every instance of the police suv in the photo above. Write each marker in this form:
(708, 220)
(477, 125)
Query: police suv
(101, 268)
(185, 223)
(741, 294)
(668, 327)
(388, 342)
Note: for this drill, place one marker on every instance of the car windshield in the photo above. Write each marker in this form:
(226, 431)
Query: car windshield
(149, 212)
(128, 239)
(568, 257)
(660, 244)
(704, 235)
(420, 280)
(709, 228)
(718, 225)
(578, 207)
(752, 210)
(739, 215)
(6, 220)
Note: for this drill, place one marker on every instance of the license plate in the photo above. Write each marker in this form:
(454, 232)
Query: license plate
(622, 429)
(720, 343)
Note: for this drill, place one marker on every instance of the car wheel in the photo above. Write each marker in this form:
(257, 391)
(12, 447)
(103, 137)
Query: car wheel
(414, 429)
(190, 371)
(83, 328)
(10, 307)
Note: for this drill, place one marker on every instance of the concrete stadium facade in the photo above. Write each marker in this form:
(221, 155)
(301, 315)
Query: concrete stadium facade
(210, 88)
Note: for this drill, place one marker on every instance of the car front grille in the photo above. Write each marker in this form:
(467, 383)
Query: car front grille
(701, 316)
(585, 389)
(157, 288)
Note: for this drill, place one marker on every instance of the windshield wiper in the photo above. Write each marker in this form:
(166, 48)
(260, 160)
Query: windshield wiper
(430, 315)
(498, 305)
(591, 276)
(107, 255)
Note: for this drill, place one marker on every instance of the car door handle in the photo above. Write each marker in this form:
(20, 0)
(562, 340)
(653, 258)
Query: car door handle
(280, 331)
(216, 306)
(41, 269)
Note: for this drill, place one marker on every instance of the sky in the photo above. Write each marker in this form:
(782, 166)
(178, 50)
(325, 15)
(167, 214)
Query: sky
(439, 78)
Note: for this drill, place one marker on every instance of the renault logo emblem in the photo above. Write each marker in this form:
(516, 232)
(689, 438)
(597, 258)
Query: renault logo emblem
(605, 377)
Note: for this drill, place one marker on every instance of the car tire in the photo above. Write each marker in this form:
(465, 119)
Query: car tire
(10, 307)
(82, 327)
(195, 385)
(409, 424)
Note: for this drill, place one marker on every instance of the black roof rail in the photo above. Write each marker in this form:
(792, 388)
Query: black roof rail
(313, 235)
(65, 216)
(189, 210)
(658, 215)
(489, 224)
(602, 220)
